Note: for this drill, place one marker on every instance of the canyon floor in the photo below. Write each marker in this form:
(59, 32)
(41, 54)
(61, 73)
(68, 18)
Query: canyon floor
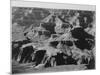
(28, 68)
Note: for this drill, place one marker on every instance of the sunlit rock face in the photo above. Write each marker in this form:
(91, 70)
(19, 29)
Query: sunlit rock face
(68, 35)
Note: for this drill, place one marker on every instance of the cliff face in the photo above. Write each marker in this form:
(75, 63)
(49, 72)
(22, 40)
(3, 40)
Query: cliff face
(70, 31)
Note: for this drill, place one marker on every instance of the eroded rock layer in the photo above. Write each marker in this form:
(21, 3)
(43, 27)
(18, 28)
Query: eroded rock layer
(47, 35)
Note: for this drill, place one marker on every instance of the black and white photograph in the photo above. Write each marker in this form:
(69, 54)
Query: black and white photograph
(52, 39)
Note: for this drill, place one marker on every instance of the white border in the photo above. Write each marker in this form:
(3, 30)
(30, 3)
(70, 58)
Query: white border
(52, 5)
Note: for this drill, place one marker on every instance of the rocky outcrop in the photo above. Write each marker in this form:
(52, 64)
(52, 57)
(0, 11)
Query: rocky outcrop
(65, 34)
